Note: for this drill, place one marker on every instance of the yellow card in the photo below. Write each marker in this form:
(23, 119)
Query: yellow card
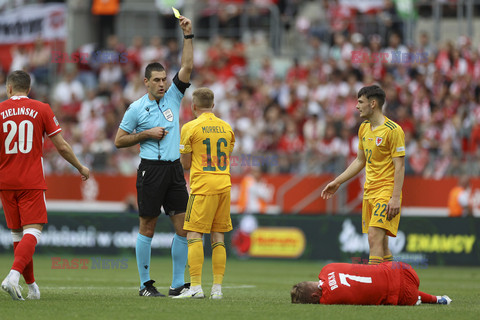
(176, 13)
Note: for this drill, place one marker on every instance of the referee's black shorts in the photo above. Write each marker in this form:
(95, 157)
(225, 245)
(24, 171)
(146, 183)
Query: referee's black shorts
(161, 183)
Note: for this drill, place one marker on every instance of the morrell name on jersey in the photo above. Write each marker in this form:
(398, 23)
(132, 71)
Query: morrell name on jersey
(213, 129)
(20, 111)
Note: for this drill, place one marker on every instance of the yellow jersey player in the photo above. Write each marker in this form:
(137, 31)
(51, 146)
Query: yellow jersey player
(205, 147)
(381, 150)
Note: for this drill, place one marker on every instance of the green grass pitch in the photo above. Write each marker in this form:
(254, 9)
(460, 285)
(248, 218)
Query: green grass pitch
(253, 289)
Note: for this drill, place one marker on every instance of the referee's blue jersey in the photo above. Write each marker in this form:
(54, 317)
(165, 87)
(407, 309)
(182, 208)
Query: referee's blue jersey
(145, 114)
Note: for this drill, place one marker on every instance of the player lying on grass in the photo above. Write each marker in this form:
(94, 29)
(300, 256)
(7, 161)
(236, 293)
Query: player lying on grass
(389, 283)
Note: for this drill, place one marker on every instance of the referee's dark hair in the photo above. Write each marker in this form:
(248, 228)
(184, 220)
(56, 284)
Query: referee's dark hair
(19, 80)
(154, 66)
(373, 92)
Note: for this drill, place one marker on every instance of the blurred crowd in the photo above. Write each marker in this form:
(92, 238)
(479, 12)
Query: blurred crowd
(301, 121)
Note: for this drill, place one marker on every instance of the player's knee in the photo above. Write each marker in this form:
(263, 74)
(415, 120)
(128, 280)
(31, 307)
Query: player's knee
(178, 219)
(178, 222)
(147, 227)
(376, 234)
(217, 237)
(181, 232)
(34, 232)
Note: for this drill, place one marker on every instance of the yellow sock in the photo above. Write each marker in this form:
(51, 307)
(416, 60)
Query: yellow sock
(375, 260)
(219, 260)
(195, 260)
(388, 258)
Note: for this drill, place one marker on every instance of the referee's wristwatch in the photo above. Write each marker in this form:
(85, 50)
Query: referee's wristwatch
(188, 36)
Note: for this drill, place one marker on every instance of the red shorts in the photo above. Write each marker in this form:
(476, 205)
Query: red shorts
(409, 284)
(23, 207)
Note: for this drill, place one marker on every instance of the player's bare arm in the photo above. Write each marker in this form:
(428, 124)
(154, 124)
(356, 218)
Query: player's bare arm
(353, 169)
(186, 160)
(123, 139)
(186, 67)
(393, 206)
(66, 151)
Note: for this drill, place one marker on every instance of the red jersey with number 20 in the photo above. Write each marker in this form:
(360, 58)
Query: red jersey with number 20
(360, 284)
(24, 123)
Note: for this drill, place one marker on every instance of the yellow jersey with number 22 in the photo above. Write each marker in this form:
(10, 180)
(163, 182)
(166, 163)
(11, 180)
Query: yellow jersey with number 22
(380, 146)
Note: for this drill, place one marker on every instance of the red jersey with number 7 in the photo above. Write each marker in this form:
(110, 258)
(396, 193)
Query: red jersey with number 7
(24, 123)
(361, 284)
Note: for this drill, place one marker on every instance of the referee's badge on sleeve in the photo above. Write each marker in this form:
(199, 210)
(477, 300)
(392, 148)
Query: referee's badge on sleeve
(168, 114)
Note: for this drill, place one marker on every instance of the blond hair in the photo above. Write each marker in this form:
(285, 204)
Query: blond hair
(301, 293)
(203, 98)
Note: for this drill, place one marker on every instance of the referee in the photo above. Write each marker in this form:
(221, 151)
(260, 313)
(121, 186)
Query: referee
(153, 121)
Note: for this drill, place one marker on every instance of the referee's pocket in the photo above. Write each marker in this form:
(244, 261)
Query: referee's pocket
(139, 185)
(140, 177)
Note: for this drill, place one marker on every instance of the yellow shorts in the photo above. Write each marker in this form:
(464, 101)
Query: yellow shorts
(207, 213)
(374, 214)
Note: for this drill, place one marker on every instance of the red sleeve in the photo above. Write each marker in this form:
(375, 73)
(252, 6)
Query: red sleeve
(52, 127)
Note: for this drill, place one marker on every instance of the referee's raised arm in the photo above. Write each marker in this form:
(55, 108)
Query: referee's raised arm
(187, 52)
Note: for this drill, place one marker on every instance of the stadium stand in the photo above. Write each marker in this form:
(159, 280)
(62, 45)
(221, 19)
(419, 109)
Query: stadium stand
(298, 105)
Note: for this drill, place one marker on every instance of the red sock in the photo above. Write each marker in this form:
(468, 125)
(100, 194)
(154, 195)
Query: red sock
(28, 271)
(427, 298)
(23, 253)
